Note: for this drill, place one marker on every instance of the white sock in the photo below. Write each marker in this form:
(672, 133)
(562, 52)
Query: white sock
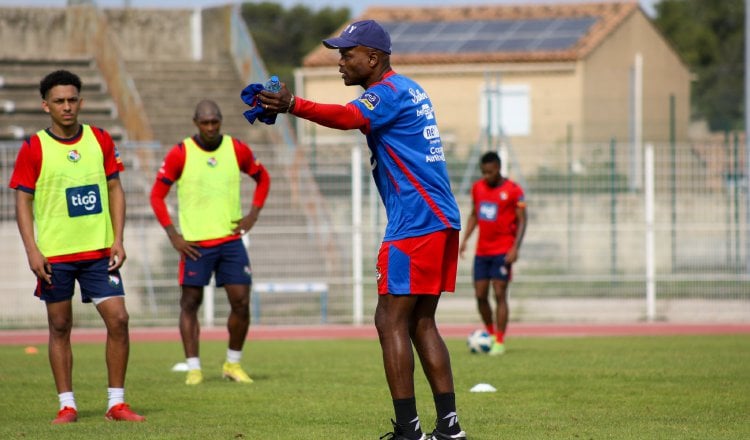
(116, 396)
(193, 363)
(67, 399)
(233, 356)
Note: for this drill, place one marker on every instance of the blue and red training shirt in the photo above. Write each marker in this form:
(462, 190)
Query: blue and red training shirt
(407, 158)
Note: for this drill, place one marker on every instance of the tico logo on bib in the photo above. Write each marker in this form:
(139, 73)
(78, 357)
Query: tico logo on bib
(83, 200)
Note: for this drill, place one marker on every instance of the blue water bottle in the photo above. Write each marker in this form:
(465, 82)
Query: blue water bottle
(273, 84)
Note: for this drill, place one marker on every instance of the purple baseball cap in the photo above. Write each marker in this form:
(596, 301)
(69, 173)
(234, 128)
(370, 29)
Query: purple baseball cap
(366, 33)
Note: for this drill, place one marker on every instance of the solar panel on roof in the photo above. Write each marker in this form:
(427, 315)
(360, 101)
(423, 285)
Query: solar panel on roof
(534, 25)
(478, 46)
(421, 28)
(498, 26)
(487, 35)
(517, 44)
(438, 46)
(458, 27)
(576, 24)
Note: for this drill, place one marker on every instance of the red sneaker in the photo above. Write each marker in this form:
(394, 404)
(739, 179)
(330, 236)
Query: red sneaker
(66, 415)
(122, 413)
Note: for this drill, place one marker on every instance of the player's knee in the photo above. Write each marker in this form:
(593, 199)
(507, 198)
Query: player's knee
(60, 325)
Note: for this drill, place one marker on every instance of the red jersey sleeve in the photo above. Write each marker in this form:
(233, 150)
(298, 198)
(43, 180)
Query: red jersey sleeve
(112, 161)
(342, 117)
(250, 165)
(169, 171)
(28, 165)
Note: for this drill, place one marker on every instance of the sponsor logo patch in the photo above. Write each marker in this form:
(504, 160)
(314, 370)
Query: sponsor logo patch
(212, 162)
(370, 100)
(431, 132)
(83, 200)
(487, 211)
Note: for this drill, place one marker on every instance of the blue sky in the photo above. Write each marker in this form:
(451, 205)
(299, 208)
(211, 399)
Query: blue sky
(356, 6)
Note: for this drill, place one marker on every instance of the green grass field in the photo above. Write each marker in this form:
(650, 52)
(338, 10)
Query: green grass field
(660, 387)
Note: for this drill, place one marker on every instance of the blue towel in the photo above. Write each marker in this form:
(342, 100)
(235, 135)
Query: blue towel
(249, 96)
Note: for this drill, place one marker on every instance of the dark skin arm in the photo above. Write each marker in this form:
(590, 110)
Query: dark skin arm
(188, 249)
(512, 254)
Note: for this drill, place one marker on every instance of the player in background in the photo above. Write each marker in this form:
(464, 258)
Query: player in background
(206, 168)
(67, 186)
(418, 258)
(499, 209)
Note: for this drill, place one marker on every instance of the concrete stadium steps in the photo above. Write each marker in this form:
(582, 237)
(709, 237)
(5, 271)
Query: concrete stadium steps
(20, 103)
(170, 90)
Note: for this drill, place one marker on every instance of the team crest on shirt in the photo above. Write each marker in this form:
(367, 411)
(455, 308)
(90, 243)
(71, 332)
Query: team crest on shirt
(114, 280)
(74, 156)
(503, 195)
(212, 162)
(370, 100)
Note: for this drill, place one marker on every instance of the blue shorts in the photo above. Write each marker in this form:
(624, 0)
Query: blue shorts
(491, 267)
(94, 279)
(229, 260)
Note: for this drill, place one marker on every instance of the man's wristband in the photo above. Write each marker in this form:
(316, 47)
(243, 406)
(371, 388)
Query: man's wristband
(291, 105)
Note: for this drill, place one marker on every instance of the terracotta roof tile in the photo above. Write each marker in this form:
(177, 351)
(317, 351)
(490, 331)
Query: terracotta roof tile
(609, 15)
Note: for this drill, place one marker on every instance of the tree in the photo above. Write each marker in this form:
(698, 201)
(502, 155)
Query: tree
(709, 35)
(283, 37)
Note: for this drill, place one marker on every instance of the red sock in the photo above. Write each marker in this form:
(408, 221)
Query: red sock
(490, 329)
(500, 337)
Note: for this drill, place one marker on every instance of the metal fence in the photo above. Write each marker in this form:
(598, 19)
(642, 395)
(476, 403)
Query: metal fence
(585, 257)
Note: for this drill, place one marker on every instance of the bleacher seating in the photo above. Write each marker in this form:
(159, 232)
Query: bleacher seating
(20, 103)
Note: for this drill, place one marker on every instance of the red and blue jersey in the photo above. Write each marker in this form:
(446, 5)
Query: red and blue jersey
(495, 209)
(407, 158)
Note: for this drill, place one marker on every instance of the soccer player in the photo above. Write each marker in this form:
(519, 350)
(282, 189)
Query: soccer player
(67, 186)
(499, 209)
(418, 257)
(206, 168)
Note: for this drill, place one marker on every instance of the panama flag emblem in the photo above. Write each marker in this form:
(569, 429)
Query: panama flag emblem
(74, 156)
(114, 280)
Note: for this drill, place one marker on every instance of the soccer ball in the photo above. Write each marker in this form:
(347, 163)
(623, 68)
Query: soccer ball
(479, 341)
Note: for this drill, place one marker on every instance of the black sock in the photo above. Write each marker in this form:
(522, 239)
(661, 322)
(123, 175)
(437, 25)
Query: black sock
(407, 418)
(447, 419)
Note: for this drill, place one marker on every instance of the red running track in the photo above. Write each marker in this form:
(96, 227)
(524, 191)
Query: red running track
(267, 332)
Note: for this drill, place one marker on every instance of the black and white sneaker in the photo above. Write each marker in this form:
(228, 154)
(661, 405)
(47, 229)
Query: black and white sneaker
(437, 435)
(398, 434)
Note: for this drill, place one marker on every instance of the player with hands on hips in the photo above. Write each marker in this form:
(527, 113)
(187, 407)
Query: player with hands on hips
(206, 168)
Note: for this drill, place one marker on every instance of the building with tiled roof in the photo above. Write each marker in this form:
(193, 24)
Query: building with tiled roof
(542, 75)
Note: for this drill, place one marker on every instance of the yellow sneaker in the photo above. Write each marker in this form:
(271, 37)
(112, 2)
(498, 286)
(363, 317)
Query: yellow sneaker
(497, 349)
(233, 371)
(194, 377)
